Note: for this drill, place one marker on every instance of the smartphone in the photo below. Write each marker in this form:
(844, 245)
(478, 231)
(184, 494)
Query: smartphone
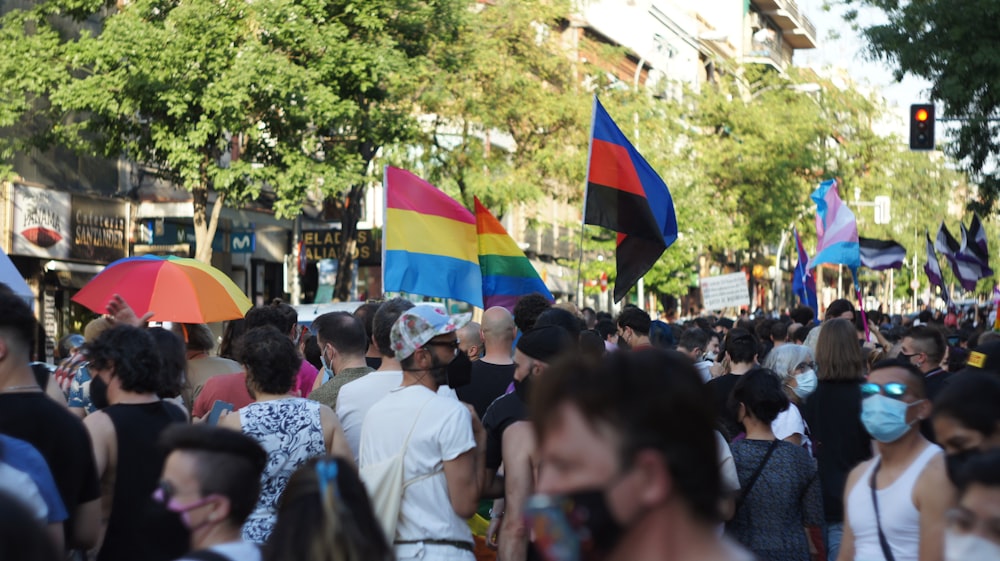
(549, 519)
(953, 340)
(217, 408)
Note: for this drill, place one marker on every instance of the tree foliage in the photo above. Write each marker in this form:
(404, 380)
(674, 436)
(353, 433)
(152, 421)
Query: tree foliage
(232, 98)
(955, 46)
(505, 117)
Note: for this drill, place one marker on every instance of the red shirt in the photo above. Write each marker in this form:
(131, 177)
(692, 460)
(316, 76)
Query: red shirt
(231, 388)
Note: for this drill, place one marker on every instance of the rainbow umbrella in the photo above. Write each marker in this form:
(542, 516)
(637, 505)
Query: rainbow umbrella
(173, 288)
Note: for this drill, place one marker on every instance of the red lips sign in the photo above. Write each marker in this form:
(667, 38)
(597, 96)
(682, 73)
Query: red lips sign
(42, 236)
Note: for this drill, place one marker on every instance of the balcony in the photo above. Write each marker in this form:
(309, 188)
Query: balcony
(798, 31)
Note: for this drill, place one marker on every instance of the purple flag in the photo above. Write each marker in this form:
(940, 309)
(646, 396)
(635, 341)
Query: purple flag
(933, 270)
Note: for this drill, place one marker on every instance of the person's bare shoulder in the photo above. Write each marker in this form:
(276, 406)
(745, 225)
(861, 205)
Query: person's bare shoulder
(933, 484)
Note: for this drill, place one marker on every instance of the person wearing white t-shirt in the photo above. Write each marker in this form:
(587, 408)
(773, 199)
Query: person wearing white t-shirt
(444, 442)
(357, 397)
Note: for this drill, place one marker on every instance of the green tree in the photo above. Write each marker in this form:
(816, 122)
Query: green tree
(955, 46)
(505, 118)
(291, 96)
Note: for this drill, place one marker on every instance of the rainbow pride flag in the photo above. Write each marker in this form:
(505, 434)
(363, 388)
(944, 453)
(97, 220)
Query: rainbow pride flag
(429, 241)
(507, 273)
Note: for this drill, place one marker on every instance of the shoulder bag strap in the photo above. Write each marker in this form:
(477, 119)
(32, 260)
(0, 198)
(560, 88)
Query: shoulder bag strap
(753, 478)
(886, 550)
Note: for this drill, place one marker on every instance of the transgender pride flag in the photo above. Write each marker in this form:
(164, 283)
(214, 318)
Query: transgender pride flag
(836, 229)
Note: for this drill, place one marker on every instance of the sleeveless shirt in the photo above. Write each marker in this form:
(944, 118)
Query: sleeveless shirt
(898, 516)
(138, 527)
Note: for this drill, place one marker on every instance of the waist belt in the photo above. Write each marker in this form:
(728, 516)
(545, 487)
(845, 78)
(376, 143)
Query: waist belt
(453, 543)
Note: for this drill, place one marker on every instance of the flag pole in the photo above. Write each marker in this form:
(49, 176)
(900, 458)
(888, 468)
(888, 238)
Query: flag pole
(586, 193)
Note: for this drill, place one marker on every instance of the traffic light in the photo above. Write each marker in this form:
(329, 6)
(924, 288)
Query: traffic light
(922, 126)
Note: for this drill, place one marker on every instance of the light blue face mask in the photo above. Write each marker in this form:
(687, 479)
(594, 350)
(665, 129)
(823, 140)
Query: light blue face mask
(885, 417)
(805, 383)
(327, 371)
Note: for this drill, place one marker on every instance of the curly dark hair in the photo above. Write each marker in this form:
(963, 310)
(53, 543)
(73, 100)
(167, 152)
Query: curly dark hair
(133, 354)
(173, 361)
(270, 358)
(527, 310)
(280, 315)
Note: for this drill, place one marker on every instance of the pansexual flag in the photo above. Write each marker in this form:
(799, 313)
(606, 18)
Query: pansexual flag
(624, 194)
(836, 230)
(507, 273)
(429, 241)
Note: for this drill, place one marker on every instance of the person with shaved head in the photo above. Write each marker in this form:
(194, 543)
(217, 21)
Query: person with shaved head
(470, 340)
(492, 374)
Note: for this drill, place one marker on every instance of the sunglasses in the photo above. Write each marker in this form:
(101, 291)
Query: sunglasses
(894, 390)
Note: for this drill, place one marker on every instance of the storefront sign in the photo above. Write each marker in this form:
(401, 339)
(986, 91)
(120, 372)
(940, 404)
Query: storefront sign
(99, 228)
(57, 225)
(242, 242)
(323, 244)
(161, 232)
(41, 223)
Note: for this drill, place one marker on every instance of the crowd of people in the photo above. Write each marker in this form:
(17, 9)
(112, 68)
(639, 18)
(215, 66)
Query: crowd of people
(402, 432)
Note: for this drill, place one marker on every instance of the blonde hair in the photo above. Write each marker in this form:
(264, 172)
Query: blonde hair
(94, 329)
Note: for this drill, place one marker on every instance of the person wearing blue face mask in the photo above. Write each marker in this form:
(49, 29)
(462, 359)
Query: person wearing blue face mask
(343, 343)
(794, 364)
(895, 503)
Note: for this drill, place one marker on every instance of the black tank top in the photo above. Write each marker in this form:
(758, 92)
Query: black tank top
(139, 528)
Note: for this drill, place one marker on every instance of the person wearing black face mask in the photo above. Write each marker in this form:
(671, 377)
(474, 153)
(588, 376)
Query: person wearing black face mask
(210, 482)
(441, 443)
(967, 418)
(125, 366)
(626, 449)
(509, 438)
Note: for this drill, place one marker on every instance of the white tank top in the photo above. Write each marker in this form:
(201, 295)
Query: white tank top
(899, 517)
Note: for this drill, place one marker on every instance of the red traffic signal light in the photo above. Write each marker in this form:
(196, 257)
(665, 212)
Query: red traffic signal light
(922, 127)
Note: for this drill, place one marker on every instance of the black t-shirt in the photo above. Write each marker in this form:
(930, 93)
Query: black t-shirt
(489, 381)
(139, 528)
(61, 439)
(721, 388)
(374, 362)
(839, 438)
(502, 413)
